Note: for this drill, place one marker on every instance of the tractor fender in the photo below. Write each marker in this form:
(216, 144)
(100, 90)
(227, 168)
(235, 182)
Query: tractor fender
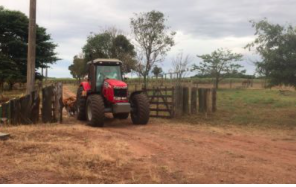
(134, 93)
(85, 85)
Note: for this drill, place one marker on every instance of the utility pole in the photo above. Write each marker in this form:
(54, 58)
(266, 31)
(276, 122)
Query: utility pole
(31, 48)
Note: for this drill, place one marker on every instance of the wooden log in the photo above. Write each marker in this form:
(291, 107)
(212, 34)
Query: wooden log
(185, 100)
(35, 107)
(17, 111)
(209, 105)
(47, 96)
(178, 100)
(214, 100)
(193, 101)
(25, 110)
(202, 98)
(173, 103)
(61, 102)
(13, 120)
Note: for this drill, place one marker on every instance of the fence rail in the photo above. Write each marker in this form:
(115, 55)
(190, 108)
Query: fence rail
(170, 102)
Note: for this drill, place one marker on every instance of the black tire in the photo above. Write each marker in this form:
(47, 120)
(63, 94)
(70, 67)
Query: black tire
(95, 110)
(121, 116)
(140, 109)
(81, 105)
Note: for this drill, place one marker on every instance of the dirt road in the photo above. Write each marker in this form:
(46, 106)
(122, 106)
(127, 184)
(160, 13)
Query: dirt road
(164, 151)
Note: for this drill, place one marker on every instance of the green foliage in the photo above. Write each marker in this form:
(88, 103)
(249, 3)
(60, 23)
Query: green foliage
(153, 38)
(219, 64)
(77, 69)
(157, 71)
(110, 45)
(252, 108)
(277, 46)
(13, 46)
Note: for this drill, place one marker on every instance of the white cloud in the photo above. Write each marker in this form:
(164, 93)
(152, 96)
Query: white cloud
(202, 25)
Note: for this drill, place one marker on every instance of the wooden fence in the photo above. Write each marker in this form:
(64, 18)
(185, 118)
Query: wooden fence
(26, 110)
(52, 104)
(170, 102)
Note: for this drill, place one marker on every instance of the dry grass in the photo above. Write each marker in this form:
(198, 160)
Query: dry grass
(68, 154)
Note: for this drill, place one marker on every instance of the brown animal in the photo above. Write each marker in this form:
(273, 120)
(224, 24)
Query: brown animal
(69, 104)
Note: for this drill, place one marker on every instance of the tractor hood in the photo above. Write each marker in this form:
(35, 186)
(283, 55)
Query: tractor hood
(116, 83)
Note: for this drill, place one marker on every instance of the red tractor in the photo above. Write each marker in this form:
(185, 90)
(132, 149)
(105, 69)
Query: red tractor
(105, 92)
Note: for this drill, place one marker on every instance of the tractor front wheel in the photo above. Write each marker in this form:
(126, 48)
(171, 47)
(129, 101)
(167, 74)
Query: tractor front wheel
(95, 111)
(81, 105)
(140, 109)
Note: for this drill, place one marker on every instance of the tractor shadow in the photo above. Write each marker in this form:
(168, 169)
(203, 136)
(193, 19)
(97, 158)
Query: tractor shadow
(110, 122)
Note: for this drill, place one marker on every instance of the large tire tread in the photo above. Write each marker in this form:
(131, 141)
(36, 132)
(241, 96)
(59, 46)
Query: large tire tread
(141, 104)
(81, 105)
(97, 107)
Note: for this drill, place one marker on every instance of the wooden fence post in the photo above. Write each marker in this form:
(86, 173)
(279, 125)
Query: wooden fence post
(214, 99)
(58, 102)
(178, 101)
(185, 100)
(193, 100)
(201, 100)
(209, 104)
(47, 94)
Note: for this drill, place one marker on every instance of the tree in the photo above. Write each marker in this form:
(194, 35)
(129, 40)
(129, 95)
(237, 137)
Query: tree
(77, 69)
(219, 64)
(110, 44)
(13, 46)
(153, 39)
(181, 64)
(157, 71)
(277, 46)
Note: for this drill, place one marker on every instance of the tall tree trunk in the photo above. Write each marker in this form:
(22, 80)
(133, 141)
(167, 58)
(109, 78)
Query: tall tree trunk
(217, 83)
(145, 82)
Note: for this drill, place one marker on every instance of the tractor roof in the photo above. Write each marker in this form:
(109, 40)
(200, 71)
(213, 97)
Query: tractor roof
(104, 61)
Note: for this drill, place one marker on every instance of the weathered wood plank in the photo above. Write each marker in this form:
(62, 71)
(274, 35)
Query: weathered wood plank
(194, 101)
(185, 100)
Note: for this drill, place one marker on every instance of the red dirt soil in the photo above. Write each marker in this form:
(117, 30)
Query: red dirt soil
(163, 151)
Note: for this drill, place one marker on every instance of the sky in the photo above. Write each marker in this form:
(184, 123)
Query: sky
(202, 26)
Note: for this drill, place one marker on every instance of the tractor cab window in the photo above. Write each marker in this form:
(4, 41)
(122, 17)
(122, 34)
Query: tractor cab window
(107, 72)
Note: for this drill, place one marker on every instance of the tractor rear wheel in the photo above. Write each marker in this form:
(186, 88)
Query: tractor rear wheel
(121, 116)
(140, 109)
(95, 111)
(81, 105)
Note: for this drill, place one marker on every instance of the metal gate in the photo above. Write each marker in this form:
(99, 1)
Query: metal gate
(161, 101)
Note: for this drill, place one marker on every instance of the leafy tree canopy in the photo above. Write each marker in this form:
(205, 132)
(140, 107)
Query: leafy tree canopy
(153, 38)
(14, 46)
(277, 46)
(219, 64)
(110, 44)
(157, 71)
(77, 69)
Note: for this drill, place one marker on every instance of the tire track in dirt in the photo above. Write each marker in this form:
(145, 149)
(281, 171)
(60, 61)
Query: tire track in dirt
(198, 154)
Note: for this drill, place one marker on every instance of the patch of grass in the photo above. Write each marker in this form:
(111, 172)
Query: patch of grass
(252, 107)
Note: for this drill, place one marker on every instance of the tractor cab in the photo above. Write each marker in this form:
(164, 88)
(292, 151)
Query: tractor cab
(106, 92)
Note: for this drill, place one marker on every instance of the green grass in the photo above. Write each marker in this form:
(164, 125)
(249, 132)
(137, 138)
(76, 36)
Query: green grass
(252, 107)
